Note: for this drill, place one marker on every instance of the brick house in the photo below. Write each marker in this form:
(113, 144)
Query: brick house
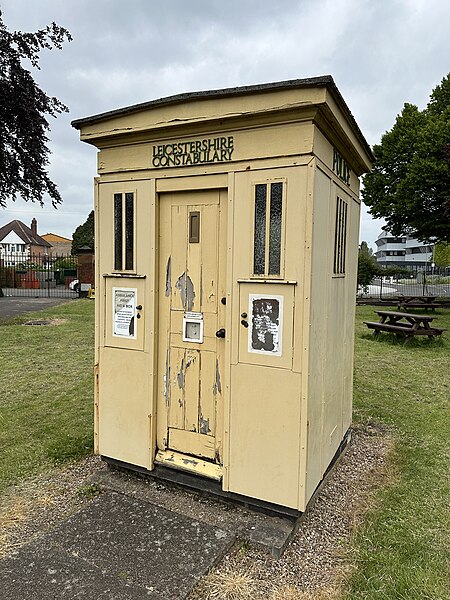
(18, 243)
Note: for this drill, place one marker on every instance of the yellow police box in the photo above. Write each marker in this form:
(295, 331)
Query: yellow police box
(226, 245)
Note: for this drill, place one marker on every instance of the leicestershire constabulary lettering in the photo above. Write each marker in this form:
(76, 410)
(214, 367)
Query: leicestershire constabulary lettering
(181, 154)
(340, 167)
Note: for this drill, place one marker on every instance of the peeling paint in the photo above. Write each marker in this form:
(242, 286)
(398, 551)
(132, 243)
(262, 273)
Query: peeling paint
(190, 360)
(180, 402)
(186, 288)
(167, 380)
(204, 426)
(168, 277)
(217, 387)
(190, 461)
(180, 376)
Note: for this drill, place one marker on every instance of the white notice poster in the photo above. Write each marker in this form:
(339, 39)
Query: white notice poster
(124, 312)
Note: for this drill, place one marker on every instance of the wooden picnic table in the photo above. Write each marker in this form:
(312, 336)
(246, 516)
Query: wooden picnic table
(404, 324)
(424, 301)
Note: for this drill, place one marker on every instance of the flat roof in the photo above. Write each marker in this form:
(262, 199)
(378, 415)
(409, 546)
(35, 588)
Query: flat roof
(322, 81)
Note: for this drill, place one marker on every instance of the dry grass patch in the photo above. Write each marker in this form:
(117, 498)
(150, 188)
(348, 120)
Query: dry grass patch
(33, 506)
(293, 593)
(15, 513)
(228, 585)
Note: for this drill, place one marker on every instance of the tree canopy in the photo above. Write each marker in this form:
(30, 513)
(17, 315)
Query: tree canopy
(409, 185)
(84, 234)
(23, 110)
(442, 255)
(367, 265)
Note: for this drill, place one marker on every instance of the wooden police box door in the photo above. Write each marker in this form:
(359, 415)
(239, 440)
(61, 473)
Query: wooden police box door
(191, 317)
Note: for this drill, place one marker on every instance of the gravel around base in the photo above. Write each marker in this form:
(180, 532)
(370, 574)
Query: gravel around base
(316, 562)
(314, 565)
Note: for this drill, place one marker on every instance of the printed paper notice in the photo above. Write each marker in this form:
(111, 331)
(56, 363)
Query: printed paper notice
(266, 322)
(124, 312)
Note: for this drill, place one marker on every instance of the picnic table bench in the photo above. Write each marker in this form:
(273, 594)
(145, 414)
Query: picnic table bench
(404, 324)
(425, 302)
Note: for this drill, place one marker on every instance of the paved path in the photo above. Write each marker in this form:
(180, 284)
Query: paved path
(116, 548)
(12, 307)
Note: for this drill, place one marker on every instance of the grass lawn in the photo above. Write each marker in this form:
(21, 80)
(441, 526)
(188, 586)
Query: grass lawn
(46, 383)
(402, 551)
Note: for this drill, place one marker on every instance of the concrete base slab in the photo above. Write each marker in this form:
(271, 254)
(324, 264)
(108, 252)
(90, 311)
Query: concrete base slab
(116, 547)
(267, 531)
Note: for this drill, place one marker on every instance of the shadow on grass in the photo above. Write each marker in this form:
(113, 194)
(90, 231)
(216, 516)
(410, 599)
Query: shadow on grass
(69, 449)
(400, 340)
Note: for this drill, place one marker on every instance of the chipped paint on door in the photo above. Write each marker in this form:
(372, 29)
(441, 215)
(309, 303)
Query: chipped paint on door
(191, 280)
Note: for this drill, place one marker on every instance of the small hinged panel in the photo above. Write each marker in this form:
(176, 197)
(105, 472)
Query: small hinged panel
(194, 227)
(266, 331)
(125, 303)
(193, 327)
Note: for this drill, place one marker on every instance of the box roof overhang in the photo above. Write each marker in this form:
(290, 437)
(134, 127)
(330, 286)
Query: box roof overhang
(90, 131)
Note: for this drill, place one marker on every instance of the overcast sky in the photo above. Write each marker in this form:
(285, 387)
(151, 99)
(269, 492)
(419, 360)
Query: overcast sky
(381, 54)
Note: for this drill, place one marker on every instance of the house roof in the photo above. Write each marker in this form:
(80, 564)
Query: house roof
(24, 232)
(54, 238)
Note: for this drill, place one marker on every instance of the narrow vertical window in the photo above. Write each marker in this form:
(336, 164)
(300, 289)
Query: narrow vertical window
(340, 237)
(118, 228)
(276, 208)
(268, 229)
(259, 262)
(124, 232)
(129, 231)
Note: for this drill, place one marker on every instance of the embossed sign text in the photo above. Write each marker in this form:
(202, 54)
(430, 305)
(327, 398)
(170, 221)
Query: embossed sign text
(181, 154)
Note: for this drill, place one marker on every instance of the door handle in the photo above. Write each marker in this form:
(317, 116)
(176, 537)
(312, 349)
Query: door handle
(220, 333)
(139, 307)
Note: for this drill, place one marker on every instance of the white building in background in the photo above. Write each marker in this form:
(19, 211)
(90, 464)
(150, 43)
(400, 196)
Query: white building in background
(402, 251)
(20, 243)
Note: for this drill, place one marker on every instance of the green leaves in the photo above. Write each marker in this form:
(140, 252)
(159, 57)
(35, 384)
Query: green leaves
(84, 234)
(442, 255)
(410, 182)
(367, 265)
(23, 109)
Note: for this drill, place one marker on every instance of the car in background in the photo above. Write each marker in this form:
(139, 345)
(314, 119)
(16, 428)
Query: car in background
(74, 285)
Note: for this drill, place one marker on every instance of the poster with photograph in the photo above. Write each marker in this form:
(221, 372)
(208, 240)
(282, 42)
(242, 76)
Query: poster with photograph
(266, 324)
(124, 312)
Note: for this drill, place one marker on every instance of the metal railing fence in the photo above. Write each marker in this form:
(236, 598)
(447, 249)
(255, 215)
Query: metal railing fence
(418, 282)
(38, 275)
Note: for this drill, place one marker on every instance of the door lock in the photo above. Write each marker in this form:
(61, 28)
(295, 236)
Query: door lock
(220, 333)
(139, 307)
(244, 323)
